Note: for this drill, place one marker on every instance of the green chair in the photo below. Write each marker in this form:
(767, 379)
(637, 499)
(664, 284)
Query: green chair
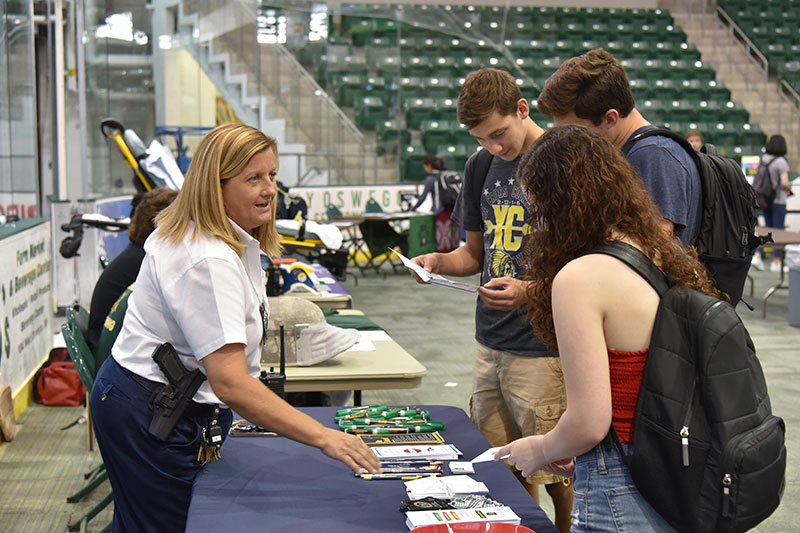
(435, 133)
(84, 361)
(417, 110)
(370, 111)
(411, 168)
(391, 136)
(111, 327)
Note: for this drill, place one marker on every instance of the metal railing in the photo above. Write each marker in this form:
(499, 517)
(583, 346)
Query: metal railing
(276, 86)
(319, 164)
(754, 55)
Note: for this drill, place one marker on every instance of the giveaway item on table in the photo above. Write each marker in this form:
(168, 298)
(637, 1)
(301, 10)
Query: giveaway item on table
(445, 487)
(402, 438)
(405, 470)
(486, 514)
(382, 420)
(435, 451)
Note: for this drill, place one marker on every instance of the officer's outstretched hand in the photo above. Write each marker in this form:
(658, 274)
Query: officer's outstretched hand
(350, 450)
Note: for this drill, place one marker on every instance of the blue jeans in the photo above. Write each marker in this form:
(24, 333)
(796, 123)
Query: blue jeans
(774, 217)
(606, 498)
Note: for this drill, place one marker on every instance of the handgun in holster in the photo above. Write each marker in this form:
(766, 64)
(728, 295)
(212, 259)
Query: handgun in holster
(169, 401)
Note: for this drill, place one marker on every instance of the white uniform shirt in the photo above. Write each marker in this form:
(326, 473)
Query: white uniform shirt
(198, 295)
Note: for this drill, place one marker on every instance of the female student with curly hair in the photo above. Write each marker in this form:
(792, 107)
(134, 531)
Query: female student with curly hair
(596, 313)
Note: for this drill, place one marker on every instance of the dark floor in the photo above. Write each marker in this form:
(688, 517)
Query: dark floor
(44, 464)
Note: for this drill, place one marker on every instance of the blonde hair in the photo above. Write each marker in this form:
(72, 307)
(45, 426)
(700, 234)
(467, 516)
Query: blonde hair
(222, 154)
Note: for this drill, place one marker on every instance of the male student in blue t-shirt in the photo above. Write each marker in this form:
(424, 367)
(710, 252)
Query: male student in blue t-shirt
(592, 90)
(517, 383)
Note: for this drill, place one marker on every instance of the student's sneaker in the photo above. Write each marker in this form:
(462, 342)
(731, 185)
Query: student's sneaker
(757, 262)
(775, 266)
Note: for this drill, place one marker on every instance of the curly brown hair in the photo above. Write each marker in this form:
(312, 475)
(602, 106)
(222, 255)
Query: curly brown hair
(583, 193)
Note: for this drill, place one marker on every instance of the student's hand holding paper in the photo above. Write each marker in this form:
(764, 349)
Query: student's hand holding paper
(526, 454)
(429, 262)
(503, 294)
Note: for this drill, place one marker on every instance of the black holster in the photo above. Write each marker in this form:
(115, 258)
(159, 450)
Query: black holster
(169, 402)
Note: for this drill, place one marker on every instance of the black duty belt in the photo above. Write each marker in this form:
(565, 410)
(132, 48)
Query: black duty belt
(193, 409)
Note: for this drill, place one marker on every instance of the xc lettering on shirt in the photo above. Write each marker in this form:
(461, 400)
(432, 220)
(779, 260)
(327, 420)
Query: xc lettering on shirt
(504, 210)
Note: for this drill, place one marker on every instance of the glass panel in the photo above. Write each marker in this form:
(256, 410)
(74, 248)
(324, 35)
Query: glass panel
(119, 84)
(18, 170)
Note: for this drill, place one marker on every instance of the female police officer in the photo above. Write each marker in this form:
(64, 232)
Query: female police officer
(200, 289)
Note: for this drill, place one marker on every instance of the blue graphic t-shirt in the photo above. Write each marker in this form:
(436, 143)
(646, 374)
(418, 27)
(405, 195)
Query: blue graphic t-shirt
(496, 207)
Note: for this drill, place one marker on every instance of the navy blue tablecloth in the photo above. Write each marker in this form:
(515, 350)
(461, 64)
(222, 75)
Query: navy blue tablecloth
(275, 484)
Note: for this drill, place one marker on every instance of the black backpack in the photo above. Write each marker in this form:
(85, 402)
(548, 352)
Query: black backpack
(708, 453)
(765, 188)
(290, 205)
(729, 216)
(448, 186)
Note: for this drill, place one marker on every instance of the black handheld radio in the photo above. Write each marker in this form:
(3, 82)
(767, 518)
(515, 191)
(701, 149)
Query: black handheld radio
(276, 381)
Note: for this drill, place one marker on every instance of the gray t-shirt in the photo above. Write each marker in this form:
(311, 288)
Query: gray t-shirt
(778, 167)
(672, 179)
(496, 207)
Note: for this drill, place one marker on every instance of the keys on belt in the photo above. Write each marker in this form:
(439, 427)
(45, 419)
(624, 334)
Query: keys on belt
(211, 441)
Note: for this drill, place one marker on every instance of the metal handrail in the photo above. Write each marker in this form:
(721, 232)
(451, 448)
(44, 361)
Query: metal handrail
(753, 53)
(330, 167)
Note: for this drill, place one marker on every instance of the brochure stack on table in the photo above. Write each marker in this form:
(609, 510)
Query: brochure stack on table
(411, 450)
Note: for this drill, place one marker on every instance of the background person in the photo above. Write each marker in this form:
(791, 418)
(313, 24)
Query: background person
(695, 138)
(201, 289)
(597, 313)
(517, 386)
(775, 215)
(122, 271)
(447, 232)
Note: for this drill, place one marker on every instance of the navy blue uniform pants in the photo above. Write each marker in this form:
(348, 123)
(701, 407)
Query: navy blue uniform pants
(151, 479)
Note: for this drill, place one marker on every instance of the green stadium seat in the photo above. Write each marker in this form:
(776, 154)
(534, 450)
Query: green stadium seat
(417, 66)
(376, 86)
(441, 87)
(350, 88)
(387, 29)
(389, 69)
(418, 110)
(435, 133)
(379, 48)
(369, 111)
(460, 134)
(411, 168)
(363, 31)
(445, 108)
(410, 88)
(391, 136)
(455, 156)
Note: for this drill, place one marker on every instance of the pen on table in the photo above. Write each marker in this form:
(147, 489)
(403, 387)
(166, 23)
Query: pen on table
(369, 477)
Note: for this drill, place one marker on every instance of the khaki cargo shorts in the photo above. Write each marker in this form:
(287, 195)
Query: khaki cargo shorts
(515, 396)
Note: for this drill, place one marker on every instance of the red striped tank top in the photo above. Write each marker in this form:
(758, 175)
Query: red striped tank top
(626, 370)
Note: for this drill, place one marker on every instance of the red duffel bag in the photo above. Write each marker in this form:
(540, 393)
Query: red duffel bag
(57, 382)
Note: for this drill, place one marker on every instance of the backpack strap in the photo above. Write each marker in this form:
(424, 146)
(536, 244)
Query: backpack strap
(635, 259)
(680, 139)
(483, 161)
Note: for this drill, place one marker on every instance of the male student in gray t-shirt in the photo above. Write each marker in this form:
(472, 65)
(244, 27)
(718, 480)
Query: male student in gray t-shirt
(517, 383)
(592, 91)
